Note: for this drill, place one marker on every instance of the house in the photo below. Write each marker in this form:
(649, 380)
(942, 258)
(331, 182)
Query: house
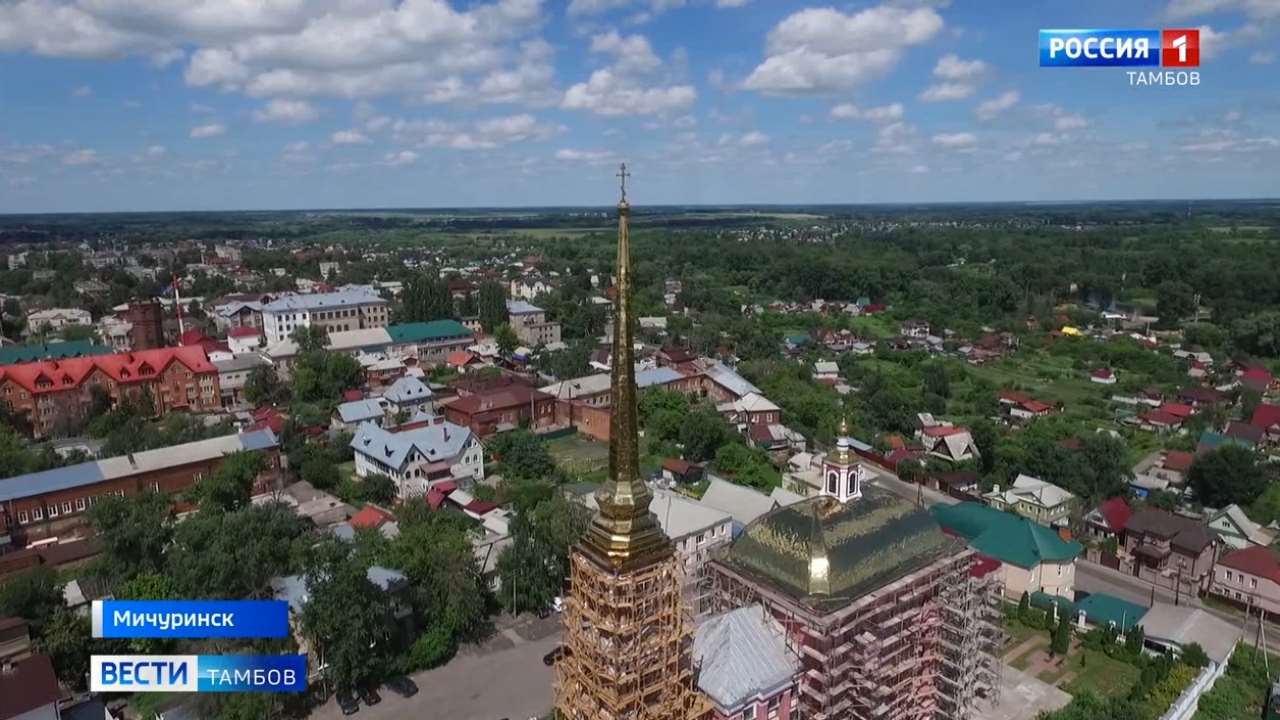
(430, 342)
(747, 668)
(1170, 627)
(234, 374)
(825, 371)
(776, 439)
(1198, 397)
(409, 396)
(1029, 557)
(530, 324)
(293, 590)
(1257, 379)
(29, 690)
(1108, 520)
(242, 340)
(676, 470)
(1021, 406)
(1245, 434)
(55, 395)
(350, 415)
(915, 329)
(1035, 499)
(750, 409)
(353, 308)
(1236, 530)
(742, 503)
(1267, 417)
(58, 350)
(1102, 376)
(1160, 420)
(50, 502)
(1161, 547)
(954, 444)
(55, 319)
(960, 484)
(1173, 466)
(1249, 577)
(502, 408)
(417, 459)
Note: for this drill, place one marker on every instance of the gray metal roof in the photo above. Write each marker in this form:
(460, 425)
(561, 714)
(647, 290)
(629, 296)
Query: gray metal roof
(520, 307)
(743, 656)
(293, 588)
(407, 389)
(359, 410)
(1182, 625)
(97, 471)
(245, 361)
(356, 295)
(743, 503)
(735, 383)
(657, 376)
(434, 442)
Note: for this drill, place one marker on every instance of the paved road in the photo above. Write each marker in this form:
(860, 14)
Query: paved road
(889, 481)
(1094, 578)
(502, 678)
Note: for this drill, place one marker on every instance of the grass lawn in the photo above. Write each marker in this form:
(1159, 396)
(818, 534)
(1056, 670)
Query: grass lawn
(346, 470)
(1099, 673)
(578, 454)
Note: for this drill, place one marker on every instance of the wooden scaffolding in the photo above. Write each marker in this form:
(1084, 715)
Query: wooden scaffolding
(627, 644)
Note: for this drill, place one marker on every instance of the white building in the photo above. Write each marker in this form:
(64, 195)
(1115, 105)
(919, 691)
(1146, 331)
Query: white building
(57, 318)
(417, 459)
(530, 324)
(352, 308)
(409, 395)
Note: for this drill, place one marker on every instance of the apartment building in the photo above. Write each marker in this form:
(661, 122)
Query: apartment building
(353, 308)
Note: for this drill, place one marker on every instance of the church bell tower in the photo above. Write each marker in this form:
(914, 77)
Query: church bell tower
(842, 474)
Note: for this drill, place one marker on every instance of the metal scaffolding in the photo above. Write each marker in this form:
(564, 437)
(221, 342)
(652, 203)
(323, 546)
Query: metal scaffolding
(972, 636)
(627, 644)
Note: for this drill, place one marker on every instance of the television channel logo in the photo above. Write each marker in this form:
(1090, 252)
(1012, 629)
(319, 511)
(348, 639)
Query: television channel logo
(1171, 48)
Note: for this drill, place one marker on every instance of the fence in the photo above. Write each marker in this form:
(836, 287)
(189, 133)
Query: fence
(1189, 701)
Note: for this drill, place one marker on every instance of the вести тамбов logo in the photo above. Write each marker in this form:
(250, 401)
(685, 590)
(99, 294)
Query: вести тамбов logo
(1175, 51)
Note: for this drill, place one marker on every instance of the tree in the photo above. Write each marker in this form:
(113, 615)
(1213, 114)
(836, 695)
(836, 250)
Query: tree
(1133, 640)
(1194, 655)
(319, 470)
(133, 531)
(507, 340)
(702, 434)
(1024, 605)
(230, 486)
(534, 567)
(1174, 301)
(264, 387)
(936, 382)
(347, 618)
(1228, 474)
(522, 455)
(260, 539)
(33, 595)
(1106, 465)
(1258, 334)
(66, 639)
(492, 305)
(377, 488)
(310, 338)
(747, 466)
(1061, 642)
(427, 298)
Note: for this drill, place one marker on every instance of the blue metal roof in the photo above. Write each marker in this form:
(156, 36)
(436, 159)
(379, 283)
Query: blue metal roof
(657, 376)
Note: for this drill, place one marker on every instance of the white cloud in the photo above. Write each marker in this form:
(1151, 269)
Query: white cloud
(82, 92)
(208, 130)
(587, 156)
(989, 109)
(298, 146)
(403, 157)
(596, 7)
(606, 93)
(1070, 122)
(919, 169)
(958, 79)
(730, 3)
(80, 157)
(895, 138)
(156, 151)
(955, 140)
(1048, 139)
(288, 112)
(821, 50)
(1254, 9)
(349, 137)
(484, 134)
(1261, 57)
(632, 54)
(754, 138)
(881, 114)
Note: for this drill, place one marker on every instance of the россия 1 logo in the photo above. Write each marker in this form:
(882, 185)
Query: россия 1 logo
(1168, 48)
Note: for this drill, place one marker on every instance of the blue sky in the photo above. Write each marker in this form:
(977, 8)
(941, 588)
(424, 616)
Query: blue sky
(228, 104)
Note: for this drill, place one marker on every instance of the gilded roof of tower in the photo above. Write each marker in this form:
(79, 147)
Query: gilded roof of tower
(866, 543)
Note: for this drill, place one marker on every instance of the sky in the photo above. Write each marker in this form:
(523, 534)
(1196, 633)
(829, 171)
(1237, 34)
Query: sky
(129, 105)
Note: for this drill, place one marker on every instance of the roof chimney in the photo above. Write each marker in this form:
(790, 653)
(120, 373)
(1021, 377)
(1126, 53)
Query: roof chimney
(1064, 532)
(132, 462)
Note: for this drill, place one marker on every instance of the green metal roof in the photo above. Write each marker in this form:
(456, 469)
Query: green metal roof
(1045, 600)
(427, 331)
(51, 351)
(1101, 608)
(1004, 536)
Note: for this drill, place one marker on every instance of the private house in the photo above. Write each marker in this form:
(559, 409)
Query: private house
(750, 409)
(44, 504)
(1102, 376)
(351, 415)
(1029, 557)
(675, 470)
(55, 319)
(233, 374)
(1035, 499)
(947, 442)
(409, 396)
(418, 459)
(29, 690)
(500, 409)
(722, 384)
(56, 395)
(1249, 577)
(1267, 417)
(825, 371)
(241, 340)
(1163, 548)
(780, 441)
(747, 668)
(1020, 407)
(1172, 467)
(1237, 531)
(1108, 520)
(240, 311)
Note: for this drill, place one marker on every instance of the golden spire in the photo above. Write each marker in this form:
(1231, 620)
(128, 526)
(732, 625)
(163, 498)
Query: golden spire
(624, 534)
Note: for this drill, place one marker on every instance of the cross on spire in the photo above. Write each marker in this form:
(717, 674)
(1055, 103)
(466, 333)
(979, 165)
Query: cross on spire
(622, 173)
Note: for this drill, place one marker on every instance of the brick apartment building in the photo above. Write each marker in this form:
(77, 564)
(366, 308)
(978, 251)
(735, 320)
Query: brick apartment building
(501, 408)
(48, 503)
(57, 395)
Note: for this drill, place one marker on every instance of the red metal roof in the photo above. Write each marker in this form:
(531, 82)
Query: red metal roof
(31, 684)
(435, 499)
(1116, 512)
(983, 566)
(1160, 417)
(370, 517)
(1266, 416)
(1101, 373)
(481, 507)
(458, 358)
(144, 365)
(1260, 561)
(445, 487)
(237, 332)
(676, 465)
(944, 431)
(1014, 396)
(1179, 409)
(1178, 460)
(352, 395)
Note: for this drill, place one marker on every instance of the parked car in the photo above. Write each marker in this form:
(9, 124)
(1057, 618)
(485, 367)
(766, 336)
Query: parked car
(347, 702)
(402, 686)
(370, 697)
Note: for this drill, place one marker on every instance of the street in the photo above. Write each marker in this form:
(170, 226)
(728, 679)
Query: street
(502, 677)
